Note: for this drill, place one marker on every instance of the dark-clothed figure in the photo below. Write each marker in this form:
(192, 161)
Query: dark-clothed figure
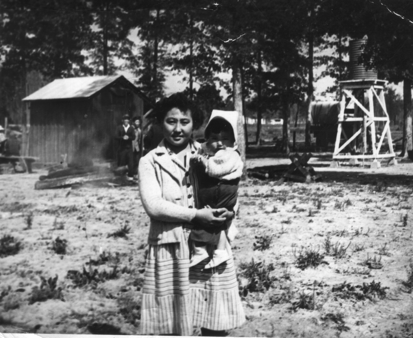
(137, 144)
(125, 134)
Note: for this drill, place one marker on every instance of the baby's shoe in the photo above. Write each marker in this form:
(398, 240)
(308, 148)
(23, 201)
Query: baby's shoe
(219, 257)
(199, 255)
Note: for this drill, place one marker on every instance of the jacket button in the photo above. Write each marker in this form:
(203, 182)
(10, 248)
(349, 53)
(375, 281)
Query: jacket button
(189, 195)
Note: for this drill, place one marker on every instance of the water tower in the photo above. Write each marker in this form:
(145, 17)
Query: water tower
(363, 130)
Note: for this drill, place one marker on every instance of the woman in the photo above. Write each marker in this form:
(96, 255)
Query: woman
(175, 299)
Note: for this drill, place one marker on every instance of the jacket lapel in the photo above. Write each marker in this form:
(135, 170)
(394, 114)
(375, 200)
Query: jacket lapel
(164, 160)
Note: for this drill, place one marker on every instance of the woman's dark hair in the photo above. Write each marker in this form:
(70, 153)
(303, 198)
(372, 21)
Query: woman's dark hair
(180, 101)
(219, 125)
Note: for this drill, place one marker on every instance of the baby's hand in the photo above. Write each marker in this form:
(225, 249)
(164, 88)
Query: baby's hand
(199, 159)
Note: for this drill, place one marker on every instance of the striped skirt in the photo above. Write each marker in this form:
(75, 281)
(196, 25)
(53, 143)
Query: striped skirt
(166, 300)
(175, 299)
(216, 304)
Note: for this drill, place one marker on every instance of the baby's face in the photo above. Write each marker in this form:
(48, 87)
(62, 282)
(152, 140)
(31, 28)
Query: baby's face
(220, 141)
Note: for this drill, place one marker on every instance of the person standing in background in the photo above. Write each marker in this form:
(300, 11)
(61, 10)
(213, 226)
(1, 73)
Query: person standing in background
(136, 144)
(125, 134)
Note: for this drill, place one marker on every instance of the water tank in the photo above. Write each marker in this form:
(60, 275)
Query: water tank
(357, 71)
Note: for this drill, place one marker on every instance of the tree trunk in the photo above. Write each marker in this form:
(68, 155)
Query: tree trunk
(259, 96)
(155, 56)
(407, 125)
(238, 105)
(191, 53)
(310, 91)
(105, 40)
(286, 125)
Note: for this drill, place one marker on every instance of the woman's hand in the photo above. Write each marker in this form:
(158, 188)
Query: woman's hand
(210, 217)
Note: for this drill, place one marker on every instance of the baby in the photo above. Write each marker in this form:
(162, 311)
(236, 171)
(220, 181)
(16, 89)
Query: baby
(216, 172)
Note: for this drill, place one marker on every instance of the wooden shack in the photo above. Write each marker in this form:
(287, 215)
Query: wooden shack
(78, 117)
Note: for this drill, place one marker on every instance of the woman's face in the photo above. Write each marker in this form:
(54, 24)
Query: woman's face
(177, 128)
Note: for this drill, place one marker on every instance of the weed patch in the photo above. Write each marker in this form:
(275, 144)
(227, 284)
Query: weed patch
(59, 246)
(409, 281)
(29, 221)
(123, 232)
(359, 292)
(257, 275)
(47, 290)
(262, 243)
(307, 257)
(303, 301)
(92, 276)
(336, 250)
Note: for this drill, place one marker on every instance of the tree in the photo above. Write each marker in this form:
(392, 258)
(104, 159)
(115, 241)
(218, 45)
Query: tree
(112, 22)
(40, 35)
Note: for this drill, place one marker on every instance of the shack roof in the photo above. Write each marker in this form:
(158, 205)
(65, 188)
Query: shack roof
(75, 87)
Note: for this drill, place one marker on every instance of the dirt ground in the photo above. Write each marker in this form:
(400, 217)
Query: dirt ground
(326, 259)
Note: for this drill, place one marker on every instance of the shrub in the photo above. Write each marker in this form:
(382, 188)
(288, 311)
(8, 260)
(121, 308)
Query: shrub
(9, 245)
(47, 290)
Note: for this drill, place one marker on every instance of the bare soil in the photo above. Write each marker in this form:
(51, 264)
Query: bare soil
(355, 226)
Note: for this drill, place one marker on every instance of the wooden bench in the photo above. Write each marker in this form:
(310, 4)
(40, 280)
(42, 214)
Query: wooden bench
(26, 161)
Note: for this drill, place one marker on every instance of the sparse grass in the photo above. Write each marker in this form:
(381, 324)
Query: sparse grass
(304, 301)
(59, 246)
(359, 292)
(282, 297)
(384, 251)
(105, 257)
(307, 257)
(122, 232)
(29, 221)
(409, 281)
(262, 243)
(404, 220)
(337, 319)
(336, 250)
(358, 247)
(47, 290)
(341, 205)
(318, 203)
(373, 262)
(11, 302)
(286, 221)
(9, 246)
(129, 308)
(359, 232)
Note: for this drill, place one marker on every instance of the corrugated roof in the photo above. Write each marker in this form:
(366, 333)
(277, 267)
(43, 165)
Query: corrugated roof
(75, 87)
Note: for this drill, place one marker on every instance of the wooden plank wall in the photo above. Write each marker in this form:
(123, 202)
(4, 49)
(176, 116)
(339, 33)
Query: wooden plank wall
(50, 142)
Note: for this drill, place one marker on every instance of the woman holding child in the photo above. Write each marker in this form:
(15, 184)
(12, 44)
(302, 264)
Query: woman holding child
(176, 297)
